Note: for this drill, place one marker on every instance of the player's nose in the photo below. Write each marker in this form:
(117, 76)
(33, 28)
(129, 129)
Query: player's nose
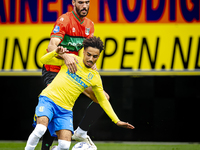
(90, 58)
(84, 5)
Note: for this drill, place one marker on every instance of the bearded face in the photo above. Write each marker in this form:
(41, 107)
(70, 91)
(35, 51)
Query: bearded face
(82, 7)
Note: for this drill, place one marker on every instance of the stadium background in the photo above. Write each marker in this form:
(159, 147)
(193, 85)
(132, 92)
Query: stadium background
(150, 66)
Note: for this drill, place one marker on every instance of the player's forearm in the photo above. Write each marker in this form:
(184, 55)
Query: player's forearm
(51, 47)
(53, 44)
(109, 110)
(50, 59)
(104, 103)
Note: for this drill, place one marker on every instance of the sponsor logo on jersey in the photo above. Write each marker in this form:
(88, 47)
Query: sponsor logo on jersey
(77, 79)
(61, 19)
(56, 29)
(73, 29)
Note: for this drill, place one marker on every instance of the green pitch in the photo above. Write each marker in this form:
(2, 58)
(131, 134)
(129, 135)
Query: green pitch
(4, 145)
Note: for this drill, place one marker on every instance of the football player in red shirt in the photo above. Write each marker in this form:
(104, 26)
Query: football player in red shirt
(69, 31)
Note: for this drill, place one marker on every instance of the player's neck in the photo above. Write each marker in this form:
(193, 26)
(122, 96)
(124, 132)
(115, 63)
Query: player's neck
(80, 18)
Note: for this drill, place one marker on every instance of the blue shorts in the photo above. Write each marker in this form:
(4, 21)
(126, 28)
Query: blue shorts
(59, 118)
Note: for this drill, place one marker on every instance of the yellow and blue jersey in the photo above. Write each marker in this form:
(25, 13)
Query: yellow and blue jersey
(66, 86)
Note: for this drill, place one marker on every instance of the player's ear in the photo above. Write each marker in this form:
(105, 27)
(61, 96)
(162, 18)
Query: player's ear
(73, 2)
(84, 51)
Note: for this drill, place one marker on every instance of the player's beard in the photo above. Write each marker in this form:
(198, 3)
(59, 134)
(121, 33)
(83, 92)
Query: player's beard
(89, 66)
(79, 12)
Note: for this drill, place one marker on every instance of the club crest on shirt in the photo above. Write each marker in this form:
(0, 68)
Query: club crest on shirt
(41, 109)
(77, 79)
(90, 76)
(87, 31)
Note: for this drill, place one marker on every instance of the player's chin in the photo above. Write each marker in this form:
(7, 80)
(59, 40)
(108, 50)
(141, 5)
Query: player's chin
(84, 14)
(88, 66)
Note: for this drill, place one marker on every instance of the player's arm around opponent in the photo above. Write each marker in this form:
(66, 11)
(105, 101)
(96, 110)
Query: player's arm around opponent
(70, 62)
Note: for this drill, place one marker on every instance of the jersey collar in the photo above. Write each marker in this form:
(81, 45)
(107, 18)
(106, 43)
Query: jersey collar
(77, 17)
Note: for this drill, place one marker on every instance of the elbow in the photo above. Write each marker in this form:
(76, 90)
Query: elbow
(54, 42)
(49, 48)
(42, 61)
(107, 96)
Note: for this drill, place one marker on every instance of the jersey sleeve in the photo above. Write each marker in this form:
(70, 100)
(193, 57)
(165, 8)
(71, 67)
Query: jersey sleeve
(60, 27)
(50, 59)
(104, 103)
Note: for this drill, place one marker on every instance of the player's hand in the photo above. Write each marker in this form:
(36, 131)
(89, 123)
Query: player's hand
(70, 62)
(94, 67)
(61, 50)
(125, 125)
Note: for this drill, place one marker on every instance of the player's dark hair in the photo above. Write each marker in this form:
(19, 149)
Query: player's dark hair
(94, 42)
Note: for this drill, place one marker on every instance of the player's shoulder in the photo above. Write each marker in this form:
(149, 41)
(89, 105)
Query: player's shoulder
(78, 57)
(96, 78)
(72, 55)
(87, 20)
(67, 14)
(95, 73)
(64, 17)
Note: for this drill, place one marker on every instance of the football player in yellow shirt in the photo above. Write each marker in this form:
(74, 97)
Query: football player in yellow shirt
(56, 101)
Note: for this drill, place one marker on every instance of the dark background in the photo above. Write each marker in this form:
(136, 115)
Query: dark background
(162, 108)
